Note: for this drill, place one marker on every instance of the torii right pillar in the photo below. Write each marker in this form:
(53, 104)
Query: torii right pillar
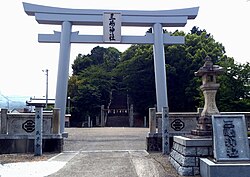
(209, 87)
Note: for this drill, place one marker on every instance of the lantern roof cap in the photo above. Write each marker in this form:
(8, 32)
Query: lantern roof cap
(209, 68)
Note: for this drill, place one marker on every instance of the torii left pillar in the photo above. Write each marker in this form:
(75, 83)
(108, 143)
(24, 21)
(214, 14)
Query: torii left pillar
(161, 84)
(63, 71)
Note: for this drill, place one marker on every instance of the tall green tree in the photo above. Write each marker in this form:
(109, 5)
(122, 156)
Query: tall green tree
(91, 84)
(234, 92)
(182, 61)
(135, 75)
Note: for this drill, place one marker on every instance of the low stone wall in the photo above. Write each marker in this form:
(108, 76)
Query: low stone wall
(186, 153)
(25, 143)
(180, 123)
(17, 132)
(24, 124)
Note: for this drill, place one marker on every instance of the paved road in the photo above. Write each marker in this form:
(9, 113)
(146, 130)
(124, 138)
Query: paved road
(90, 139)
(108, 152)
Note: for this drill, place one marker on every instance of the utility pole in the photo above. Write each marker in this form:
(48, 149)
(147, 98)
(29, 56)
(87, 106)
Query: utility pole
(47, 86)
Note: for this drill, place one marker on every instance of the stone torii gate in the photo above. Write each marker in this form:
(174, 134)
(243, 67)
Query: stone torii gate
(112, 21)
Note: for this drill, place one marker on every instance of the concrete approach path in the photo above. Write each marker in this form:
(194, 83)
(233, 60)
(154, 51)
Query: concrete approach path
(110, 152)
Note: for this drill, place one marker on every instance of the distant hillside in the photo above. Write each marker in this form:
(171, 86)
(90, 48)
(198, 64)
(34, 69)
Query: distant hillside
(12, 102)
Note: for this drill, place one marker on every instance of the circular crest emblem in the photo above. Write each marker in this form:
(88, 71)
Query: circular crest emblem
(177, 125)
(29, 126)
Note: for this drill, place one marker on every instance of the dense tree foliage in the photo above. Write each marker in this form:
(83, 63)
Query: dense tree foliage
(132, 72)
(234, 92)
(91, 84)
(182, 61)
(136, 75)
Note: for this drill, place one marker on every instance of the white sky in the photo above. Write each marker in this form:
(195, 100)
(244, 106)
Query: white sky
(23, 58)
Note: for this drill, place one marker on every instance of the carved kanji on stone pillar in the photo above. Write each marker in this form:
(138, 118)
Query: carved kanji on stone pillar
(209, 87)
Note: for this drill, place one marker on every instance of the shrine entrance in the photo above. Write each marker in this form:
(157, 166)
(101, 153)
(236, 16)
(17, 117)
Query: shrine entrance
(112, 21)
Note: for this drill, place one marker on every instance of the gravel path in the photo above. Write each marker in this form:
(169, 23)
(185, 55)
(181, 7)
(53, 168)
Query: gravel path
(89, 140)
(114, 150)
(14, 158)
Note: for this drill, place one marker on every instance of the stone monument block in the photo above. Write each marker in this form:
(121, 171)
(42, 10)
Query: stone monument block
(209, 168)
(230, 138)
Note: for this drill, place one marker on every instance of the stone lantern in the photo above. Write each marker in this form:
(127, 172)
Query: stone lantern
(209, 87)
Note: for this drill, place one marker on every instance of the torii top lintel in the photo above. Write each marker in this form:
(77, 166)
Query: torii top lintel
(55, 15)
